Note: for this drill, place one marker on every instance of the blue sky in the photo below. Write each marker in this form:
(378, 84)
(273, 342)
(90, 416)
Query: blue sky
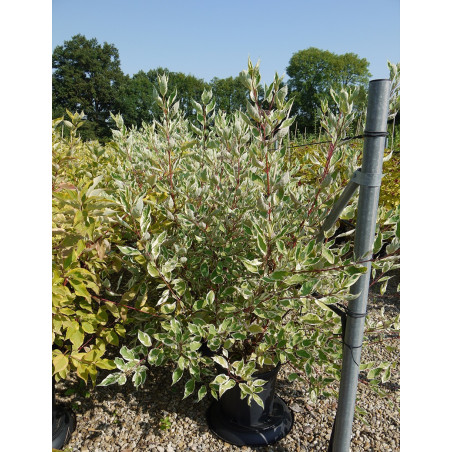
(215, 38)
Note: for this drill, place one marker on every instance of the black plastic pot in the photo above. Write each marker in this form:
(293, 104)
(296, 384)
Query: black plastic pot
(63, 423)
(234, 421)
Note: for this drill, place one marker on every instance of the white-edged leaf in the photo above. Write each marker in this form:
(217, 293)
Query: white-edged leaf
(226, 386)
(202, 392)
(110, 379)
(127, 354)
(258, 400)
(189, 387)
(129, 251)
(120, 364)
(152, 270)
(139, 377)
(328, 255)
(221, 361)
(251, 266)
(177, 375)
(144, 338)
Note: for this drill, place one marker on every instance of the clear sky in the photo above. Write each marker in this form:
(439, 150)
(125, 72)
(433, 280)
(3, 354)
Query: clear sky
(214, 38)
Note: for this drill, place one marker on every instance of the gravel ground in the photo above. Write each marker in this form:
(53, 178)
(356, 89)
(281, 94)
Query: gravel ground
(122, 419)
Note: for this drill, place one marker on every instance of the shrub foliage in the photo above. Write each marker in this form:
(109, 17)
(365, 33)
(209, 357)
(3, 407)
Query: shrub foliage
(201, 240)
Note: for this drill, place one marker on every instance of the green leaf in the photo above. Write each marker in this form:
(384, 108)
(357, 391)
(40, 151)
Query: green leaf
(229, 384)
(120, 329)
(177, 375)
(261, 244)
(374, 373)
(127, 354)
(228, 291)
(386, 375)
(139, 377)
(255, 329)
(328, 255)
(378, 242)
(250, 266)
(88, 327)
(303, 354)
(106, 364)
(355, 269)
(294, 279)
(280, 246)
(194, 346)
(129, 251)
(308, 287)
(80, 289)
(202, 392)
(221, 361)
(120, 363)
(258, 400)
(112, 337)
(144, 338)
(152, 270)
(278, 275)
(199, 304)
(156, 356)
(70, 259)
(204, 269)
(168, 308)
(189, 387)
(110, 379)
(210, 297)
(239, 336)
(77, 338)
(60, 362)
(292, 377)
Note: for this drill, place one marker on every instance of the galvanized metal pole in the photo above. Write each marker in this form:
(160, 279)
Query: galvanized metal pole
(343, 200)
(374, 142)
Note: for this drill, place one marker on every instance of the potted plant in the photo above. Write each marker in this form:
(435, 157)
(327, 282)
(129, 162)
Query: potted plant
(240, 283)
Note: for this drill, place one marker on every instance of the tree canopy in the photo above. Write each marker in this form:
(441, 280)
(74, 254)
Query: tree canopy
(230, 94)
(313, 72)
(87, 77)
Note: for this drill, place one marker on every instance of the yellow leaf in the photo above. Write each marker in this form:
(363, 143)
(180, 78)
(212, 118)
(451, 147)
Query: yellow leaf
(60, 362)
(106, 364)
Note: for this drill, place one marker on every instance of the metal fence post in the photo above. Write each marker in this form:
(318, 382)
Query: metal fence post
(374, 142)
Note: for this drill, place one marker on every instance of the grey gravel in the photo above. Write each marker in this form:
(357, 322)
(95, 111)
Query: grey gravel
(122, 419)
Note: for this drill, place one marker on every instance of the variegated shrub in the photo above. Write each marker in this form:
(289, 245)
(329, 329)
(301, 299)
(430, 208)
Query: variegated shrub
(223, 233)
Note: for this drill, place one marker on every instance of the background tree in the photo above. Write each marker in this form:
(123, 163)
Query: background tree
(87, 76)
(136, 100)
(229, 93)
(313, 72)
